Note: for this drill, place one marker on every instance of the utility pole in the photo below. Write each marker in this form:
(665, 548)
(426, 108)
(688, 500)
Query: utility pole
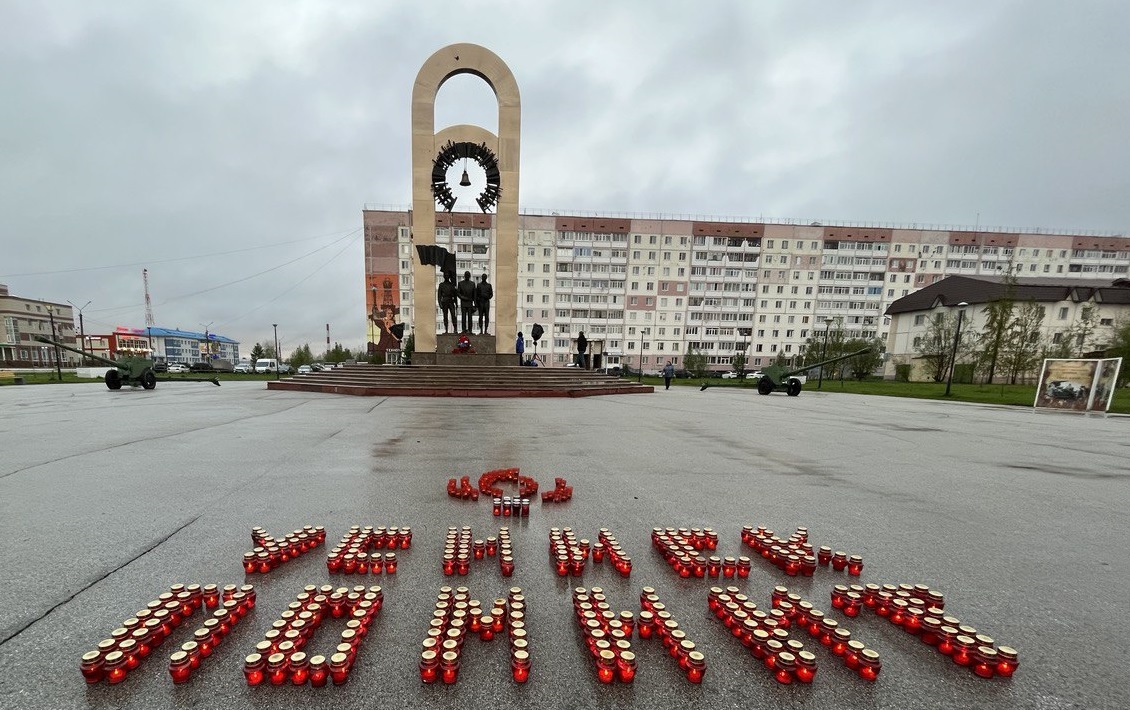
(55, 343)
(81, 330)
(278, 355)
(207, 357)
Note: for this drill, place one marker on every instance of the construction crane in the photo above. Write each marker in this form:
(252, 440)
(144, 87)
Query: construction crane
(148, 302)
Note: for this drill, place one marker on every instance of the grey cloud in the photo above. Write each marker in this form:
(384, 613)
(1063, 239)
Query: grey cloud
(135, 131)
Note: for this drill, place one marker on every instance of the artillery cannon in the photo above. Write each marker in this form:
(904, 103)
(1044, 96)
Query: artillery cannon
(128, 371)
(776, 377)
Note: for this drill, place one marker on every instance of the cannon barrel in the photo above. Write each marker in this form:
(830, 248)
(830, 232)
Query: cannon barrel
(806, 368)
(96, 358)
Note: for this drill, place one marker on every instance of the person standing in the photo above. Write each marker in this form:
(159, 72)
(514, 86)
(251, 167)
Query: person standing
(466, 291)
(483, 293)
(668, 373)
(447, 300)
(520, 347)
(582, 346)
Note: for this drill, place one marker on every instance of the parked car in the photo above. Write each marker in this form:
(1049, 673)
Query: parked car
(176, 367)
(753, 375)
(266, 364)
(219, 364)
(160, 366)
(243, 367)
(201, 367)
(284, 369)
(729, 375)
(305, 369)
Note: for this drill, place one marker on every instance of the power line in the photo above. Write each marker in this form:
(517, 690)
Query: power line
(150, 262)
(236, 281)
(288, 289)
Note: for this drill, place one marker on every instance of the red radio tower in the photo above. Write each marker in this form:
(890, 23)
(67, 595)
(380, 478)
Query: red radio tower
(148, 302)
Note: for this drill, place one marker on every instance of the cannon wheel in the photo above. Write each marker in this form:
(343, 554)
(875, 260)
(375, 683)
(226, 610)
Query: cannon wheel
(113, 379)
(765, 386)
(148, 380)
(793, 387)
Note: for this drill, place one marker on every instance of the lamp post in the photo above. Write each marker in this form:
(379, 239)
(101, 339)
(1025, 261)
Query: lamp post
(81, 329)
(956, 340)
(745, 333)
(639, 375)
(824, 352)
(55, 338)
(277, 353)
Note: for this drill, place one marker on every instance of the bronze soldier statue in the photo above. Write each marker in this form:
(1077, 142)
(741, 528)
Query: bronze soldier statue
(483, 293)
(447, 300)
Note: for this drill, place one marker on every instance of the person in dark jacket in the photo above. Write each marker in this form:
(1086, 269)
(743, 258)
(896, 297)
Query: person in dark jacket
(582, 347)
(447, 300)
(466, 291)
(483, 293)
(668, 373)
(520, 348)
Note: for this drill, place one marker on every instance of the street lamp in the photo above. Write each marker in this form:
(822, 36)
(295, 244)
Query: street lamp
(956, 340)
(745, 333)
(824, 352)
(639, 375)
(81, 329)
(277, 353)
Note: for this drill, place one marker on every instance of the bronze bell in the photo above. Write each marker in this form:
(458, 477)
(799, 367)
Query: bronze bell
(466, 181)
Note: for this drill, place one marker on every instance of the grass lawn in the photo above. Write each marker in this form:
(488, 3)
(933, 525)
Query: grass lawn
(1015, 395)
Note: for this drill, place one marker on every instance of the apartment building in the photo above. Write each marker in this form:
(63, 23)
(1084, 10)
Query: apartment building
(24, 319)
(654, 288)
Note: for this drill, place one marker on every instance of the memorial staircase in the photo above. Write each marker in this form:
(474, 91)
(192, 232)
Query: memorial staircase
(465, 380)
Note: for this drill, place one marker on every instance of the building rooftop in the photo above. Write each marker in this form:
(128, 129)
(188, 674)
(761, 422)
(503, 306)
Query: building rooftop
(176, 333)
(986, 289)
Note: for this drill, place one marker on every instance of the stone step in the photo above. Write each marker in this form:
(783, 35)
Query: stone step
(465, 380)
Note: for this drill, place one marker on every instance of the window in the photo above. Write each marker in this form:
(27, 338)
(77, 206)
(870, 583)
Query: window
(1063, 313)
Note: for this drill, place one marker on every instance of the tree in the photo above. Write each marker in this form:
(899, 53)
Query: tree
(861, 367)
(1119, 346)
(998, 321)
(301, 356)
(1020, 350)
(338, 354)
(408, 348)
(935, 346)
(1081, 332)
(265, 350)
(257, 352)
(695, 363)
(739, 362)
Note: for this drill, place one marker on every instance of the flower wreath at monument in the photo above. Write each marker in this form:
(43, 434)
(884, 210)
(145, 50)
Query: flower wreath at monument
(463, 346)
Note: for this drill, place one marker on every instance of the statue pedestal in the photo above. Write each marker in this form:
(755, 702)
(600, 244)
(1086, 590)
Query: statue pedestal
(485, 353)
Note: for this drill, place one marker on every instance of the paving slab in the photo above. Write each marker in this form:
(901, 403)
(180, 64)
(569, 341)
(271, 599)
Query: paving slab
(107, 498)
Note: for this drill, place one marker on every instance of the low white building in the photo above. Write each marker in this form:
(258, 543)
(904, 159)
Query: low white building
(1063, 302)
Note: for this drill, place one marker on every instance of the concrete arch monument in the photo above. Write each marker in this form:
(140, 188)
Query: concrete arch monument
(499, 156)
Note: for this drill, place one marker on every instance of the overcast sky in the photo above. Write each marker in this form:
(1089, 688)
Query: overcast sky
(164, 134)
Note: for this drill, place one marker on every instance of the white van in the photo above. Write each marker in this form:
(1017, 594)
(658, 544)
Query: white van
(266, 364)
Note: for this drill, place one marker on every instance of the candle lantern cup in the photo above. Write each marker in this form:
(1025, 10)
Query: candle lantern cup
(180, 667)
(520, 666)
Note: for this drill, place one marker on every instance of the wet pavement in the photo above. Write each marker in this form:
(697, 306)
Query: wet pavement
(108, 498)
